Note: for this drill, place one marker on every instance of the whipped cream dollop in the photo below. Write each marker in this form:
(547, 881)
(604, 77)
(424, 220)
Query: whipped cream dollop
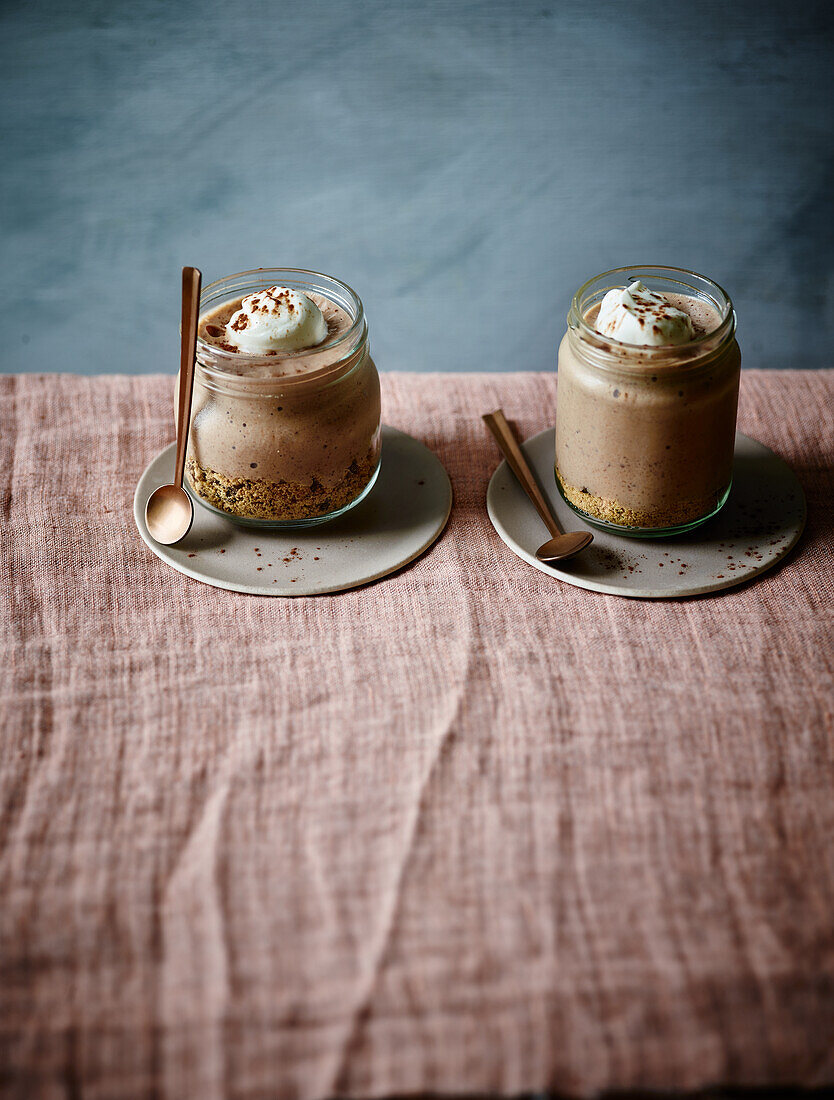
(276, 319)
(637, 315)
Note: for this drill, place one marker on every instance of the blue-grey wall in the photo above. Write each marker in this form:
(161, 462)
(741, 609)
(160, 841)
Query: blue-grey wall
(463, 165)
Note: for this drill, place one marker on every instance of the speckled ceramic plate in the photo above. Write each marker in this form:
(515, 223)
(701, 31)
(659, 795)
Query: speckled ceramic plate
(755, 529)
(399, 519)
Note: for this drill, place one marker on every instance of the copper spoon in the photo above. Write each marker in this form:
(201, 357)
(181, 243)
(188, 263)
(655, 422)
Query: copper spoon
(169, 512)
(563, 544)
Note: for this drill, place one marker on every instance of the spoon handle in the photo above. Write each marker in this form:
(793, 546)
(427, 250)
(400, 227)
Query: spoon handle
(497, 424)
(191, 280)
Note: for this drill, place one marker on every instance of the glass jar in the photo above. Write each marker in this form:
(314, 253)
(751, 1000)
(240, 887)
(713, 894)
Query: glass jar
(286, 439)
(645, 435)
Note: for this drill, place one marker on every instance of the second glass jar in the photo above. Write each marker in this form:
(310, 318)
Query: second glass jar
(645, 435)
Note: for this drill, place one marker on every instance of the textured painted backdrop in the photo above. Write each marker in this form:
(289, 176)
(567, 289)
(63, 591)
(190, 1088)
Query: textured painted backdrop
(464, 165)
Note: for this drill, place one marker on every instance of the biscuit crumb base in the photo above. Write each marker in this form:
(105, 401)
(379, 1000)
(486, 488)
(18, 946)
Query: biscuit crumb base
(615, 511)
(253, 498)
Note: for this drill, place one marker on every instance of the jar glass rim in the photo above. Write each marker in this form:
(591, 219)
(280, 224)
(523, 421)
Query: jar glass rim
(703, 343)
(348, 343)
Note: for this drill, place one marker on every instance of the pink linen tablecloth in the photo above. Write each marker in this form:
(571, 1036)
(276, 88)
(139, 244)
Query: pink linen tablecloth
(466, 828)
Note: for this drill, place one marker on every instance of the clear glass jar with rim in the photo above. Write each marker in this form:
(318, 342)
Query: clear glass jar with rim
(284, 439)
(645, 435)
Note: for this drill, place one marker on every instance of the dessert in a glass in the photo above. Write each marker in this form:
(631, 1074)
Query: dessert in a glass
(647, 394)
(285, 420)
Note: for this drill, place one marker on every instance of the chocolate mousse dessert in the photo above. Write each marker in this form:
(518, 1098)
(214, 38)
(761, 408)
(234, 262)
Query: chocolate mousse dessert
(648, 389)
(286, 410)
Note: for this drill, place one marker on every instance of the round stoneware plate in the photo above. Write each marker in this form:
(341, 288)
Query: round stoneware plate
(761, 521)
(399, 519)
